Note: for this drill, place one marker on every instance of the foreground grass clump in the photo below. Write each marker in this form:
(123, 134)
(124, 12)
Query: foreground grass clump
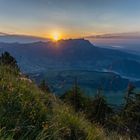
(70, 126)
(21, 108)
(28, 113)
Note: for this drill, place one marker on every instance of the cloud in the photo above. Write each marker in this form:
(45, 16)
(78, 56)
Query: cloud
(130, 35)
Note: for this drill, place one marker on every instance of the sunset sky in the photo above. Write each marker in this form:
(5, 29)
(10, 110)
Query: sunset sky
(70, 18)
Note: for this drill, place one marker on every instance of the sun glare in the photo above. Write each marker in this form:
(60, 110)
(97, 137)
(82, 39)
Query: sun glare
(56, 36)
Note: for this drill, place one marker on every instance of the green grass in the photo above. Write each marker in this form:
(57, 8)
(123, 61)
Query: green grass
(27, 113)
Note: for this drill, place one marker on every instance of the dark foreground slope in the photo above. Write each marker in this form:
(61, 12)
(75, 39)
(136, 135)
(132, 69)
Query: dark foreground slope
(28, 113)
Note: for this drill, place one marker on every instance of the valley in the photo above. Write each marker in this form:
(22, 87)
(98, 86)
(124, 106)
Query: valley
(60, 62)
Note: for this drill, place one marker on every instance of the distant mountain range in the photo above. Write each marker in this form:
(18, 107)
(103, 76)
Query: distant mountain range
(12, 38)
(72, 54)
(75, 55)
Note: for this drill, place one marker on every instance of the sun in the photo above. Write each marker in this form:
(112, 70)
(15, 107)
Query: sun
(56, 36)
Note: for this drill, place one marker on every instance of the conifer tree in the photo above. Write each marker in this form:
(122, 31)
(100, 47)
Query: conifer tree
(75, 97)
(99, 108)
(44, 86)
(7, 59)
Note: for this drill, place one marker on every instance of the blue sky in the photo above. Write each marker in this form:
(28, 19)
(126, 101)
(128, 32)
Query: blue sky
(72, 18)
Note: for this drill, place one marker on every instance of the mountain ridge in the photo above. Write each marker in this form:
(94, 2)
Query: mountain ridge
(68, 54)
(12, 38)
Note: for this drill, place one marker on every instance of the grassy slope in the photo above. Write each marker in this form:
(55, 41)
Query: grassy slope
(26, 113)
